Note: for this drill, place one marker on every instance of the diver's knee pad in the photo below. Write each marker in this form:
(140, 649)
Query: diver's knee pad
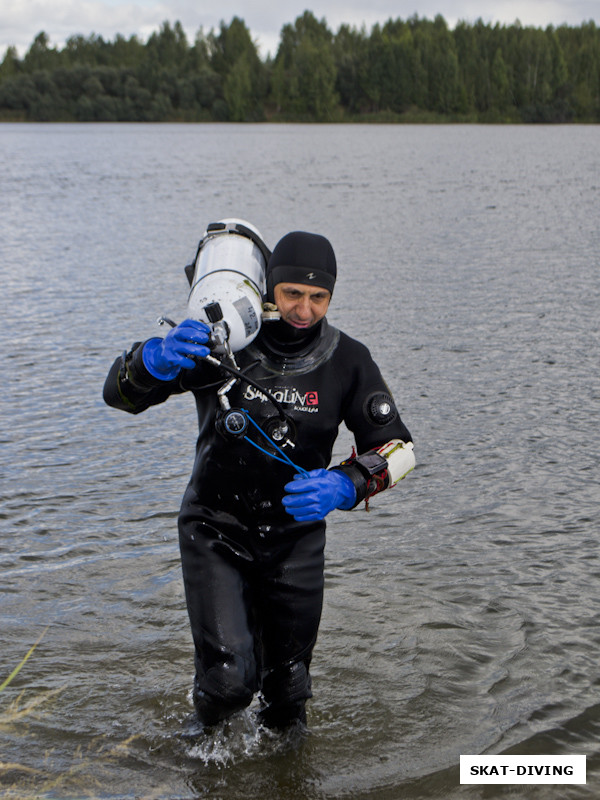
(287, 683)
(285, 690)
(221, 691)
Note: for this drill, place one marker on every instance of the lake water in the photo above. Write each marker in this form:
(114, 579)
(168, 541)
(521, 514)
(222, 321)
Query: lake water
(462, 612)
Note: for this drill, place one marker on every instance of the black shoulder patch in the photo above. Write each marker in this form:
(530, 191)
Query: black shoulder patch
(380, 408)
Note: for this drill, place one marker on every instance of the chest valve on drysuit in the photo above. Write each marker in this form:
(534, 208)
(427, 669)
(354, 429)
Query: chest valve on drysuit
(236, 423)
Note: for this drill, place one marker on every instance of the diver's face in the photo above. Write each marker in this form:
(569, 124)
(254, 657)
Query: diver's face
(301, 306)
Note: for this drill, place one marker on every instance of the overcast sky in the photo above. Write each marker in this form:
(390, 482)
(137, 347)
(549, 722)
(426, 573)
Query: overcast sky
(22, 20)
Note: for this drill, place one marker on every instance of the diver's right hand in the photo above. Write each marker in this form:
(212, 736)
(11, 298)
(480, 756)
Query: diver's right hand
(164, 358)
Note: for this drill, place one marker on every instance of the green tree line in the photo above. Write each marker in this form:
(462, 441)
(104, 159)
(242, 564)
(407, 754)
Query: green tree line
(415, 70)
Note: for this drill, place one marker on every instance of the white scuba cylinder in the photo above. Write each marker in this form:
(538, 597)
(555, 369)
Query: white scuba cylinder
(229, 283)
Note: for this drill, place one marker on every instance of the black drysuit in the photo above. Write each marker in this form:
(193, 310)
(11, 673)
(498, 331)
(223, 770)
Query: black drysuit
(253, 575)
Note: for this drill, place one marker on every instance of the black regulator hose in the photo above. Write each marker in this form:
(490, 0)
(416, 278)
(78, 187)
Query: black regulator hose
(237, 373)
(233, 371)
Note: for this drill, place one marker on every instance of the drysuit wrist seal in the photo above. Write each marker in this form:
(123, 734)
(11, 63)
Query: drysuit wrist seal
(379, 469)
(130, 361)
(361, 470)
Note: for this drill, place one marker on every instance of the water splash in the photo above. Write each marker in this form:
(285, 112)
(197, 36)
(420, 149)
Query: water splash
(239, 738)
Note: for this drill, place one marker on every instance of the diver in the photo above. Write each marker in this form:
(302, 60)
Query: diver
(252, 519)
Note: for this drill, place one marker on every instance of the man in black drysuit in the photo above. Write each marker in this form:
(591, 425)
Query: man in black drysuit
(252, 533)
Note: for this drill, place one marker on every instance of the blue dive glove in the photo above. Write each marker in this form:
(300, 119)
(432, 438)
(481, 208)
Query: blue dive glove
(164, 358)
(312, 497)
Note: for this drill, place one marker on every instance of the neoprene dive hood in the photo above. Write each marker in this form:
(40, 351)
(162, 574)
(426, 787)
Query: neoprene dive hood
(227, 280)
(301, 257)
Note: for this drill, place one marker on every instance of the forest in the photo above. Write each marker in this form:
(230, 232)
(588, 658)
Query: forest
(414, 70)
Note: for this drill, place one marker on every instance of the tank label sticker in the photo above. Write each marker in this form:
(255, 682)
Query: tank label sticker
(248, 315)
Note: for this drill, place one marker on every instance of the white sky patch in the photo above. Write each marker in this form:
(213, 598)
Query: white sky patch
(22, 20)
(537, 13)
